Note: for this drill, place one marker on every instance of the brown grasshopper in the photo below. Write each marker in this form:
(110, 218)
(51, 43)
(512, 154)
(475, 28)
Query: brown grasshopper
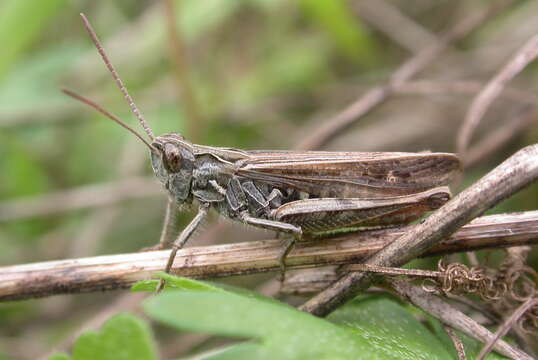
(293, 192)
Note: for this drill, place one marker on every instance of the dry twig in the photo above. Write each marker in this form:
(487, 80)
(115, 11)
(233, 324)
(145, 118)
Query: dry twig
(499, 138)
(481, 103)
(503, 329)
(83, 197)
(463, 88)
(120, 271)
(406, 71)
(458, 345)
(453, 317)
(388, 19)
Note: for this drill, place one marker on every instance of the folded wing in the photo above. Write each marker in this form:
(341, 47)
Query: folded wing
(350, 174)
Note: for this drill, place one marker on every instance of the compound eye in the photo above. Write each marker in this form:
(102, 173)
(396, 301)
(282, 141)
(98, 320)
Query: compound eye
(172, 158)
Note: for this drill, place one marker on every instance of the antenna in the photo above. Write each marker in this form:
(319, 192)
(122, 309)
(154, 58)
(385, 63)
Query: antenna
(109, 115)
(116, 77)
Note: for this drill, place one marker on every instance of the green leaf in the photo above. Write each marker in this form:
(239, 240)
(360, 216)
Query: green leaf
(292, 67)
(245, 350)
(59, 357)
(198, 17)
(181, 283)
(372, 328)
(33, 83)
(146, 285)
(20, 172)
(390, 328)
(174, 282)
(122, 337)
(345, 29)
(21, 24)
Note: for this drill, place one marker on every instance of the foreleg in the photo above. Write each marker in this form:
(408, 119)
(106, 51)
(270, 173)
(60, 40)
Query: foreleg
(182, 239)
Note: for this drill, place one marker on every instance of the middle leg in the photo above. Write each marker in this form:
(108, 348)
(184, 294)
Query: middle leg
(167, 232)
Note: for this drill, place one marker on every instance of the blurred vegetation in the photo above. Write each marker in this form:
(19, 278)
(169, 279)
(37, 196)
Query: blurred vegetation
(264, 73)
(357, 330)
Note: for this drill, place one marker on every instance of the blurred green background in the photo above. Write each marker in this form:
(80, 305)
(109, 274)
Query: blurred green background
(252, 74)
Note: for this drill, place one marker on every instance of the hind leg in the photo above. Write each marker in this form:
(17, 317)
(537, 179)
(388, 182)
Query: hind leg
(288, 246)
(278, 226)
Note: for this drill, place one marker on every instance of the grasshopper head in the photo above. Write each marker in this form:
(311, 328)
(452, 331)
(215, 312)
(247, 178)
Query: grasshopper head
(172, 157)
(173, 164)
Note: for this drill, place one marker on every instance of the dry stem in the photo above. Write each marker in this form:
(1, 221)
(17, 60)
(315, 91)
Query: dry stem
(405, 72)
(82, 197)
(388, 19)
(458, 344)
(490, 92)
(120, 271)
(506, 326)
(453, 317)
(499, 138)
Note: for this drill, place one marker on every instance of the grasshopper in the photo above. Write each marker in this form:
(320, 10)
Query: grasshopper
(299, 193)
